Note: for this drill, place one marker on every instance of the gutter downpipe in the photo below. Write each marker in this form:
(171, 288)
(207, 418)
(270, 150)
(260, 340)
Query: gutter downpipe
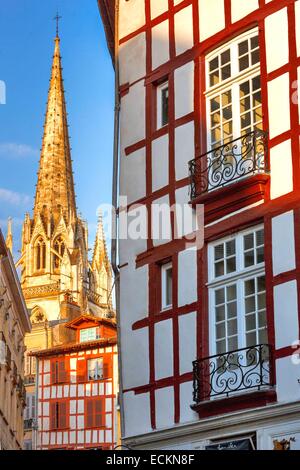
(114, 231)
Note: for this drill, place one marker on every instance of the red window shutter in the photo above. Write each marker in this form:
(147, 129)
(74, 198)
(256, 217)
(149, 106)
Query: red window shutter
(99, 412)
(90, 413)
(53, 416)
(62, 415)
(53, 372)
(62, 371)
(81, 370)
(107, 370)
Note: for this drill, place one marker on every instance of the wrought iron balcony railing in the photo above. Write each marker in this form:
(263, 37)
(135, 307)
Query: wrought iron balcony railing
(234, 372)
(230, 162)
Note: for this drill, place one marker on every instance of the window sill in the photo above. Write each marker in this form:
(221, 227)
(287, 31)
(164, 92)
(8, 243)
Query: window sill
(239, 402)
(235, 196)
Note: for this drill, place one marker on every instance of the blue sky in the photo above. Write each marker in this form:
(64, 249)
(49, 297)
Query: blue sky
(27, 31)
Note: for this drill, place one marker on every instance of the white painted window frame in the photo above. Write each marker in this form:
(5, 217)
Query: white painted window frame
(159, 89)
(238, 277)
(231, 83)
(164, 269)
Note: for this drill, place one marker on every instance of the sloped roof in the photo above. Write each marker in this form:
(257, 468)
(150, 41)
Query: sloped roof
(107, 11)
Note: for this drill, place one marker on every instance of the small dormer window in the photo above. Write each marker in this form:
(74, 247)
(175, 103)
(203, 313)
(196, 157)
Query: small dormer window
(89, 334)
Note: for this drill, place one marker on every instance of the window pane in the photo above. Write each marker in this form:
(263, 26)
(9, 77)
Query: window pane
(225, 57)
(215, 104)
(230, 248)
(169, 286)
(220, 330)
(231, 292)
(244, 62)
(250, 304)
(261, 284)
(255, 57)
(249, 258)
(221, 347)
(214, 78)
(226, 98)
(219, 296)
(260, 255)
(261, 300)
(214, 64)
(243, 48)
(262, 319)
(220, 313)
(232, 327)
(231, 309)
(250, 287)
(244, 89)
(263, 336)
(249, 241)
(251, 339)
(219, 252)
(226, 72)
(260, 239)
(165, 106)
(230, 265)
(219, 269)
(254, 42)
(250, 322)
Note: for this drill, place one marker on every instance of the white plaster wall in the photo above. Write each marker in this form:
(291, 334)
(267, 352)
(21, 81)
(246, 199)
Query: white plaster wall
(297, 14)
(137, 413)
(286, 314)
(184, 149)
(132, 122)
(288, 374)
(186, 216)
(133, 175)
(160, 44)
(132, 59)
(183, 23)
(239, 8)
(163, 344)
(160, 162)
(135, 356)
(161, 221)
(164, 403)
(187, 342)
(187, 277)
(131, 16)
(186, 400)
(281, 169)
(132, 233)
(158, 7)
(277, 45)
(211, 17)
(279, 105)
(283, 243)
(184, 90)
(134, 293)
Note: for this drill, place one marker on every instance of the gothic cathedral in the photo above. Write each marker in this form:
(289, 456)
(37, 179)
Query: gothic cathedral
(59, 281)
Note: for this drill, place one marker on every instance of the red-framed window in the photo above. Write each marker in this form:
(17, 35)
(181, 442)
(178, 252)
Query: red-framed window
(59, 371)
(95, 412)
(59, 414)
(93, 369)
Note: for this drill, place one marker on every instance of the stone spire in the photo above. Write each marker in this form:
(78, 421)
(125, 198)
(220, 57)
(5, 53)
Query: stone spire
(100, 252)
(9, 236)
(55, 193)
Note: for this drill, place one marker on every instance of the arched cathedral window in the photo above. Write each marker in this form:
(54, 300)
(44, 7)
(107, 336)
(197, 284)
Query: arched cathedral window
(40, 254)
(59, 248)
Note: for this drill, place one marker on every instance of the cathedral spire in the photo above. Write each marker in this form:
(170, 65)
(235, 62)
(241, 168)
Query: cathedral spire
(55, 188)
(100, 252)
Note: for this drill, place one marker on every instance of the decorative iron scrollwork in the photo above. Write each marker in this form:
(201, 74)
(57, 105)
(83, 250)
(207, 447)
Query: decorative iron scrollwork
(232, 161)
(235, 371)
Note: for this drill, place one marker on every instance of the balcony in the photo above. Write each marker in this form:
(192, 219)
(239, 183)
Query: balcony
(231, 176)
(235, 380)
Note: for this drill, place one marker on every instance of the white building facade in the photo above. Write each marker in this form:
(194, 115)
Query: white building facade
(209, 119)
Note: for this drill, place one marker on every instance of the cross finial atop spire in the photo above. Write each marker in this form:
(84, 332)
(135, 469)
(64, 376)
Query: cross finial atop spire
(57, 18)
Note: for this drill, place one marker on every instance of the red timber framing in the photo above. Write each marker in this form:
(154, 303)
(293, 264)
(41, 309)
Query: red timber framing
(261, 213)
(76, 406)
